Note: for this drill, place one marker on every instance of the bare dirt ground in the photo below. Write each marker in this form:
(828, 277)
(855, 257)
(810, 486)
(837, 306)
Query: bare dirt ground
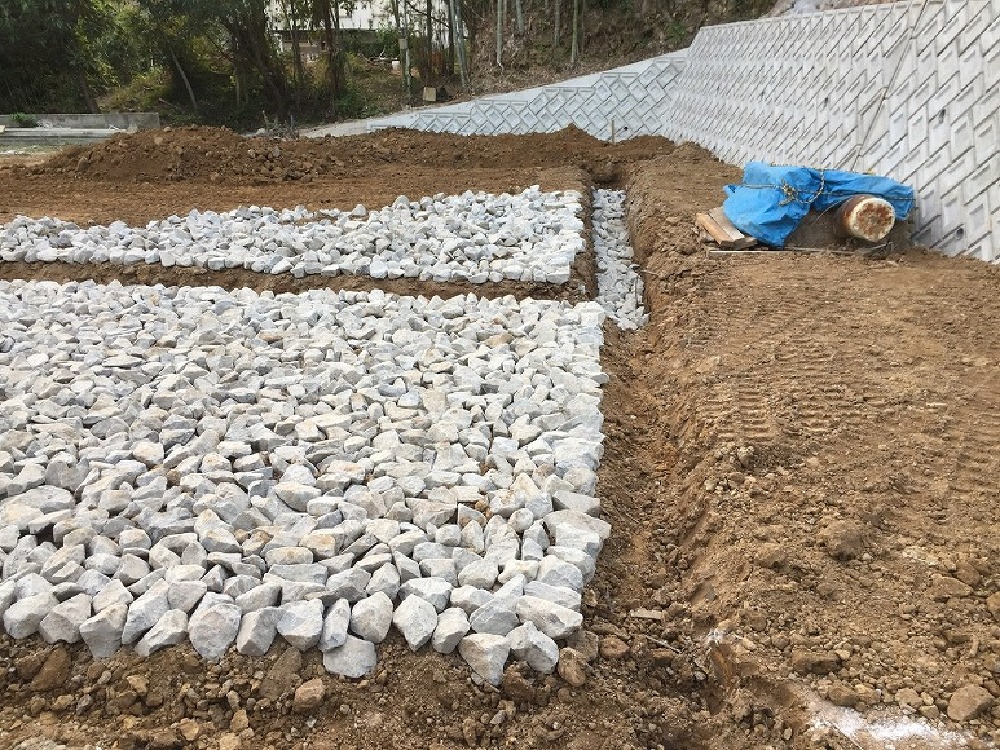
(800, 473)
(157, 173)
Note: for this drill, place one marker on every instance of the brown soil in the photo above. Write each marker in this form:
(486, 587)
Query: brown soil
(238, 278)
(91, 201)
(153, 174)
(834, 501)
(800, 473)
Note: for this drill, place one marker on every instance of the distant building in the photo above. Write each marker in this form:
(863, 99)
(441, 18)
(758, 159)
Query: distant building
(362, 20)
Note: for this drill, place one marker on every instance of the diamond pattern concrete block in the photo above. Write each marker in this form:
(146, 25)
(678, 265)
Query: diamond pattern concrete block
(909, 89)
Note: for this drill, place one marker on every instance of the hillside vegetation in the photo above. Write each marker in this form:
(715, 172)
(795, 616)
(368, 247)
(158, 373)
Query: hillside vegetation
(219, 61)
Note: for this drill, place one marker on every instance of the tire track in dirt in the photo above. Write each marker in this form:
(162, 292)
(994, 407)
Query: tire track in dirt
(836, 420)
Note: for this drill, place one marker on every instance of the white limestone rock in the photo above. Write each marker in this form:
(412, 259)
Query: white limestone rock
(103, 632)
(213, 626)
(486, 654)
(417, 620)
(371, 617)
(169, 630)
(301, 623)
(452, 627)
(354, 660)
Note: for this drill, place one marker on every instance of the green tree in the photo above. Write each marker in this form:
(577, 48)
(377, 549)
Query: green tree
(42, 55)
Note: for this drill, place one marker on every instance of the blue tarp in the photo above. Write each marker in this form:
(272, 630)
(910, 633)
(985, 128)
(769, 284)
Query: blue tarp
(772, 201)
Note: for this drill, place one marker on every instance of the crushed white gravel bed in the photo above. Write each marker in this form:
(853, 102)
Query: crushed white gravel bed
(227, 467)
(619, 286)
(532, 236)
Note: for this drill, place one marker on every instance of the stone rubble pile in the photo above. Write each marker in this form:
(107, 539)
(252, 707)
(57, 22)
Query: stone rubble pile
(533, 236)
(619, 286)
(229, 467)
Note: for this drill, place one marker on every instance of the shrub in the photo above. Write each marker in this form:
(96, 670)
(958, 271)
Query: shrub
(24, 121)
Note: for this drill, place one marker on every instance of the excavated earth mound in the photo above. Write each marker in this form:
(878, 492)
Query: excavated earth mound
(222, 155)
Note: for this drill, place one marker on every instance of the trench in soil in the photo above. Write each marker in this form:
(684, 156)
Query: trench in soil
(650, 697)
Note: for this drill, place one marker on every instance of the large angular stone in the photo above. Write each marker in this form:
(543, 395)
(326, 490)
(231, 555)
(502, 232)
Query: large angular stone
(349, 584)
(114, 592)
(335, 625)
(481, 574)
(355, 659)
(185, 595)
(497, 616)
(452, 627)
(558, 594)
(257, 631)
(585, 504)
(103, 632)
(469, 599)
(266, 594)
(301, 623)
(555, 620)
(486, 654)
(145, 612)
(568, 520)
(371, 617)
(214, 626)
(435, 590)
(386, 580)
(23, 617)
(168, 631)
(556, 572)
(416, 619)
(64, 621)
(532, 646)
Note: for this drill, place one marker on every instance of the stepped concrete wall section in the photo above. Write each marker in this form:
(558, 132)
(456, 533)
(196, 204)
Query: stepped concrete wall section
(52, 138)
(906, 89)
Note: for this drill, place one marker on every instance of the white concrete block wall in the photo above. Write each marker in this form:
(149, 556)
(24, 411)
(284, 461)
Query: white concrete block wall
(909, 89)
(615, 104)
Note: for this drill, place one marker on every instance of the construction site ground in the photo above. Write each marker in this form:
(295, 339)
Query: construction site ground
(801, 474)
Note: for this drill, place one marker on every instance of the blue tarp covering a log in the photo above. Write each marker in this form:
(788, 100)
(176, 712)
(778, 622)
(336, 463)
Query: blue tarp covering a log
(772, 201)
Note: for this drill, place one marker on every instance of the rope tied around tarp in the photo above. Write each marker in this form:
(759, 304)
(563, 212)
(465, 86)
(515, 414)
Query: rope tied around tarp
(793, 195)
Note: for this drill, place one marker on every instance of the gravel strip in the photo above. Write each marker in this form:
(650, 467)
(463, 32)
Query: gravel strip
(619, 286)
(228, 467)
(476, 237)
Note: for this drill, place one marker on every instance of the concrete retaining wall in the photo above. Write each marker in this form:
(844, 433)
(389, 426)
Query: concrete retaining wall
(910, 90)
(110, 120)
(52, 138)
(613, 105)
